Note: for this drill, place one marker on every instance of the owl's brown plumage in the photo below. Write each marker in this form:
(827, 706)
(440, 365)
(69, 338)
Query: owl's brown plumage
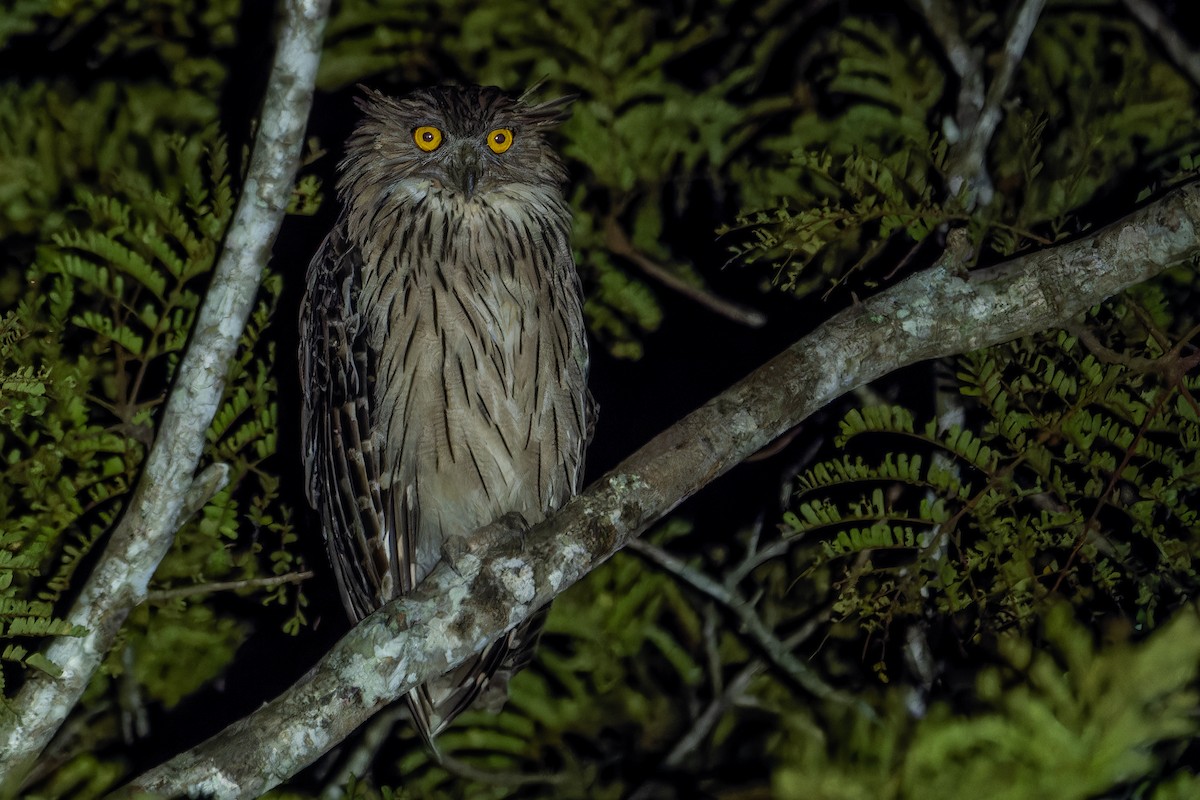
(442, 351)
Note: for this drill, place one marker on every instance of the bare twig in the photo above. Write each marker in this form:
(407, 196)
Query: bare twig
(616, 240)
(700, 729)
(141, 539)
(755, 629)
(1178, 50)
(704, 724)
(731, 695)
(160, 595)
(975, 152)
(205, 486)
(757, 557)
(978, 114)
(967, 62)
(358, 763)
(932, 314)
(489, 777)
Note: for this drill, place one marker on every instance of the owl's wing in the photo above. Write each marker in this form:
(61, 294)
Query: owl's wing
(342, 459)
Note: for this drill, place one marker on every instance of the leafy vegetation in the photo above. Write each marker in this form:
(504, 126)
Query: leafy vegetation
(981, 586)
(95, 333)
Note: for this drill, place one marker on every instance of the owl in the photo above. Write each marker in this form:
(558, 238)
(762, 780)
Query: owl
(443, 355)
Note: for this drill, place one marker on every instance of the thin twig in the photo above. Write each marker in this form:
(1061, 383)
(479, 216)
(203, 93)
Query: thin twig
(1097, 348)
(1178, 50)
(726, 698)
(755, 629)
(358, 763)
(511, 780)
(1014, 51)
(616, 241)
(967, 62)
(978, 127)
(977, 113)
(942, 18)
(777, 446)
(160, 595)
(712, 646)
(699, 729)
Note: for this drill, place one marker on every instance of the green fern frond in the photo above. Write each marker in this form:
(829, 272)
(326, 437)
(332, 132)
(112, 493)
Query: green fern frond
(129, 277)
(858, 203)
(1082, 470)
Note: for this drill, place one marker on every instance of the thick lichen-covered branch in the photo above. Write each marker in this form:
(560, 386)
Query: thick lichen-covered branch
(936, 313)
(144, 534)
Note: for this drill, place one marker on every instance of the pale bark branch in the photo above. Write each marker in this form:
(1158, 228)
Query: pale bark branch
(1160, 26)
(119, 580)
(973, 156)
(936, 313)
(978, 111)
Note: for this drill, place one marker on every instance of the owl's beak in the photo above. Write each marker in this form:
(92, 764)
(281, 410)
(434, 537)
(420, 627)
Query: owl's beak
(465, 169)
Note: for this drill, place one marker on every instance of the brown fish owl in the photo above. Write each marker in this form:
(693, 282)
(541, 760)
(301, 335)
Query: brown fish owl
(442, 351)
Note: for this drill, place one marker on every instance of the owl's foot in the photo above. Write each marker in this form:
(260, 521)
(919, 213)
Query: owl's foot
(456, 549)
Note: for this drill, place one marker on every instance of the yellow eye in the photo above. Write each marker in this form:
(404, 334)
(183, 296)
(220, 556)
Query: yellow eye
(500, 140)
(428, 138)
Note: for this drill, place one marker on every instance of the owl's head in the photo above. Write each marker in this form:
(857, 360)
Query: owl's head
(466, 141)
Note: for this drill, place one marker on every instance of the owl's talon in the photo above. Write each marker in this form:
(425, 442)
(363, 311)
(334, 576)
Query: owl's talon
(455, 549)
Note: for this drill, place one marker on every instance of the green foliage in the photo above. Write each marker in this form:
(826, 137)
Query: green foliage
(1069, 142)
(21, 17)
(1059, 717)
(1084, 477)
(106, 313)
(827, 197)
(85, 777)
(378, 38)
(178, 647)
(45, 443)
(619, 305)
(185, 37)
(839, 194)
(886, 86)
(860, 205)
(55, 139)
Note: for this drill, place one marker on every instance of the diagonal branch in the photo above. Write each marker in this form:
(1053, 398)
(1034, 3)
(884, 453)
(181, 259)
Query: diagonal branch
(617, 241)
(751, 624)
(145, 532)
(1175, 44)
(972, 157)
(451, 615)
(978, 113)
